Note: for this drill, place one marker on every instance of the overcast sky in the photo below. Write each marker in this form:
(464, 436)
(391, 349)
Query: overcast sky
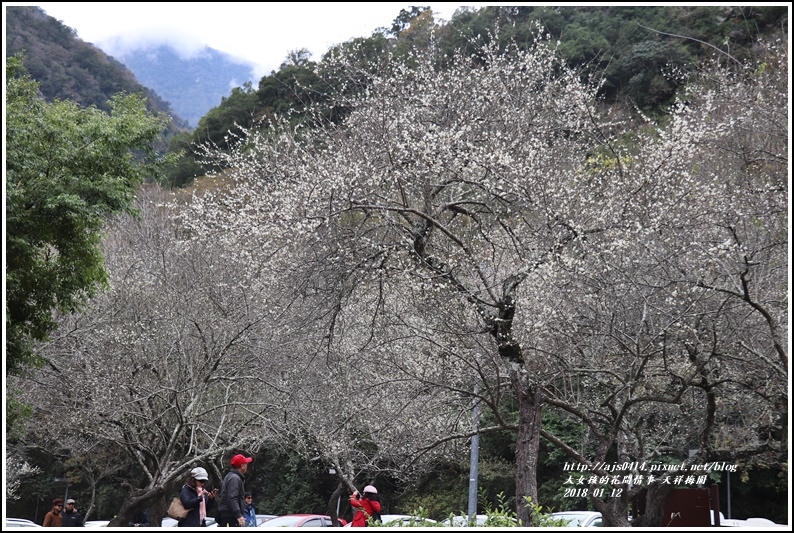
(260, 33)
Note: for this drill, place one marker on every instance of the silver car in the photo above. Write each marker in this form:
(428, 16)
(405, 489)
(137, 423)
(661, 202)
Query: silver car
(20, 522)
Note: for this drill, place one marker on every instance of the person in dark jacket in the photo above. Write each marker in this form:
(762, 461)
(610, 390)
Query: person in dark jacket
(231, 505)
(141, 519)
(70, 517)
(195, 499)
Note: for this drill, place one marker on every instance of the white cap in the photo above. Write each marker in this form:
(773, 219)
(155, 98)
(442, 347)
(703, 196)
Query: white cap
(200, 474)
(370, 489)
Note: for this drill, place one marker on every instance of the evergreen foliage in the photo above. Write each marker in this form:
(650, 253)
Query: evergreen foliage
(67, 169)
(633, 48)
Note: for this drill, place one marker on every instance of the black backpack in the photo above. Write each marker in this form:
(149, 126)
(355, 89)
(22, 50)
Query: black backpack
(375, 514)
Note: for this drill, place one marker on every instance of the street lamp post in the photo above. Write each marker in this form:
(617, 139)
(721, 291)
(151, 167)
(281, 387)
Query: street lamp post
(63, 480)
(475, 456)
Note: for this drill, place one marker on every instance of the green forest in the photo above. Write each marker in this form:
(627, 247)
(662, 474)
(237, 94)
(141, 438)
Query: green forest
(574, 218)
(634, 49)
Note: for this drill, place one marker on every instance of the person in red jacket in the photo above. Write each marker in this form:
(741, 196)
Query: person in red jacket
(366, 505)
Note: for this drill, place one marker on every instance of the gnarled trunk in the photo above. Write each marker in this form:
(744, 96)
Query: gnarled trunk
(333, 503)
(530, 401)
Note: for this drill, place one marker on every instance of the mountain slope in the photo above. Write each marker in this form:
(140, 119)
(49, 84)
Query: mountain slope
(192, 85)
(68, 68)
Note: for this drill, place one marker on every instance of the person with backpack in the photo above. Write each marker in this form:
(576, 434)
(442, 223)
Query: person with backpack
(367, 506)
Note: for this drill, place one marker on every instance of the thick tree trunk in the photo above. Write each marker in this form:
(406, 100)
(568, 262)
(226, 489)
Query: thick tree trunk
(152, 499)
(333, 502)
(158, 508)
(654, 506)
(530, 402)
(615, 511)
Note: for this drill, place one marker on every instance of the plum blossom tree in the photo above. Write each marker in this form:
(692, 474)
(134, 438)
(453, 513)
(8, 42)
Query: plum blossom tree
(159, 367)
(672, 342)
(16, 469)
(451, 179)
(354, 402)
(501, 187)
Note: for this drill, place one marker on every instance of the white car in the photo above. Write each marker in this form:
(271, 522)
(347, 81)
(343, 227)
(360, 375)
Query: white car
(463, 521)
(171, 522)
(762, 522)
(750, 522)
(96, 523)
(398, 520)
(20, 522)
(580, 518)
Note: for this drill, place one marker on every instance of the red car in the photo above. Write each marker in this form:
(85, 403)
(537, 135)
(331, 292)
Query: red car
(302, 520)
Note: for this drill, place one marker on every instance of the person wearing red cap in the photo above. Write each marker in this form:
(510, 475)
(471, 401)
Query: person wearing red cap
(53, 518)
(231, 502)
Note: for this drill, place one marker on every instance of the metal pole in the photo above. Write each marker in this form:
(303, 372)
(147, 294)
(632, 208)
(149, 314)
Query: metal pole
(63, 480)
(475, 456)
(729, 493)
